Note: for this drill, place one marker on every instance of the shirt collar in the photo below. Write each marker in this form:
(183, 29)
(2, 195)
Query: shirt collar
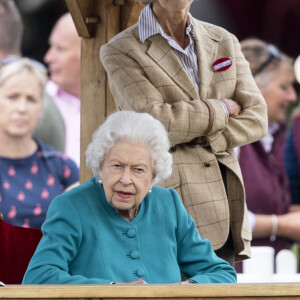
(149, 26)
(268, 140)
(273, 127)
(55, 91)
(45, 150)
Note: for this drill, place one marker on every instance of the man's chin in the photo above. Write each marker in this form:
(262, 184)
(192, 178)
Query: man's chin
(55, 79)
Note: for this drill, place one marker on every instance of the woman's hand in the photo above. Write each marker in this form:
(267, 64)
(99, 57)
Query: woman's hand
(234, 109)
(139, 281)
(289, 226)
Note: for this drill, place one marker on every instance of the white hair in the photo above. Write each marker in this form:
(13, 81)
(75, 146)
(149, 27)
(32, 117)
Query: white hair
(133, 127)
(15, 66)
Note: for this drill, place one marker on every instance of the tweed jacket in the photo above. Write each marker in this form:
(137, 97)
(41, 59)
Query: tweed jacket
(150, 78)
(85, 241)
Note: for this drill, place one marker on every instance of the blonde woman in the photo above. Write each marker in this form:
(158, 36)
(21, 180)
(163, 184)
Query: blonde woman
(31, 172)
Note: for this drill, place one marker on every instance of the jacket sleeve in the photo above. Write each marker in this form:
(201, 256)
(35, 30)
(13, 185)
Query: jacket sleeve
(62, 235)
(196, 258)
(252, 123)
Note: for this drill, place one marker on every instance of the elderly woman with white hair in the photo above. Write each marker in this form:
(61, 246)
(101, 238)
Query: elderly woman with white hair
(192, 76)
(119, 227)
(31, 172)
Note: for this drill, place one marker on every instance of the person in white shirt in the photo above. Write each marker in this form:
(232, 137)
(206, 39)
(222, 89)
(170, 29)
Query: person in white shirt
(63, 59)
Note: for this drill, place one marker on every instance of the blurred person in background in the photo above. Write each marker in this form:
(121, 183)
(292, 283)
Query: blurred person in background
(50, 127)
(39, 17)
(63, 59)
(31, 172)
(274, 221)
(292, 151)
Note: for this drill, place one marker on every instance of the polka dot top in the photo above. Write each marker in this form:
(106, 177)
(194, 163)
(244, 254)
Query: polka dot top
(28, 185)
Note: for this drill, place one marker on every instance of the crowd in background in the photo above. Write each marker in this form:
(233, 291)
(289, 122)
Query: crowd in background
(272, 185)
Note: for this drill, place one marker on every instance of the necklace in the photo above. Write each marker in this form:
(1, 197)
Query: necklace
(136, 211)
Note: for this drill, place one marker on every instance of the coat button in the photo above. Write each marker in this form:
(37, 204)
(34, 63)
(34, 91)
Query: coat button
(140, 272)
(206, 164)
(134, 254)
(131, 233)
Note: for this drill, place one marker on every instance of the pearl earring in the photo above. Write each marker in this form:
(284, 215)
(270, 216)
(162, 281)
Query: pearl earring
(100, 181)
(150, 191)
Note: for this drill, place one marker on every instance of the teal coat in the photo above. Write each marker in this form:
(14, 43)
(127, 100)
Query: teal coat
(85, 241)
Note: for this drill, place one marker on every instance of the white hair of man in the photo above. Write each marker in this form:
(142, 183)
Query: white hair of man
(138, 128)
(15, 66)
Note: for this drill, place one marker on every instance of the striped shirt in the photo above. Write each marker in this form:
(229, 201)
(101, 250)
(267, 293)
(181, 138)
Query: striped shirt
(148, 26)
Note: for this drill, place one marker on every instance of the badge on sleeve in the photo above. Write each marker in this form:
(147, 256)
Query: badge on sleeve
(222, 64)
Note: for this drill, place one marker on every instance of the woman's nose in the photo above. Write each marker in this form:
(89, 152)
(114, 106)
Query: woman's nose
(126, 177)
(292, 95)
(22, 104)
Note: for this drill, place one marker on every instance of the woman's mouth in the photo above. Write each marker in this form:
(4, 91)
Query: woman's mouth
(20, 122)
(124, 195)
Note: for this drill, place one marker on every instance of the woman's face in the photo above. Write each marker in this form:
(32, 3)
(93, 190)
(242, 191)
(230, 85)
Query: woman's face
(127, 176)
(20, 105)
(174, 5)
(279, 93)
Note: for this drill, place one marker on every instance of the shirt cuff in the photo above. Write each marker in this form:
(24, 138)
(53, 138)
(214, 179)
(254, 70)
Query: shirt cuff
(252, 219)
(225, 108)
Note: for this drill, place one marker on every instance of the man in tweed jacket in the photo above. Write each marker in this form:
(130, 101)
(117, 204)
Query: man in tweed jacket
(148, 76)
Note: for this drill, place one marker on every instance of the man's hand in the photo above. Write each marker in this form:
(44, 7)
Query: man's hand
(139, 281)
(234, 109)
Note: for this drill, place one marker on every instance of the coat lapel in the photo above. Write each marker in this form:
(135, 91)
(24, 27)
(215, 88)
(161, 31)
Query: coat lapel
(207, 47)
(161, 52)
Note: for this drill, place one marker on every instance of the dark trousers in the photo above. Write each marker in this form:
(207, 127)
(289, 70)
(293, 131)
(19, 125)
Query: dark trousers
(227, 250)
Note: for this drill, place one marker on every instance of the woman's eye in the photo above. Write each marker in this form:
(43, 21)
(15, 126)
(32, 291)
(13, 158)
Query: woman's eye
(13, 97)
(139, 170)
(117, 166)
(32, 100)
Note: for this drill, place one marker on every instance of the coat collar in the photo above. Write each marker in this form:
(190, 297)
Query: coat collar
(207, 49)
(207, 44)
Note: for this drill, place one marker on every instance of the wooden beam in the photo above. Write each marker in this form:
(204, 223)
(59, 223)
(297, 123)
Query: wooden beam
(134, 14)
(93, 85)
(275, 291)
(96, 22)
(126, 10)
(84, 16)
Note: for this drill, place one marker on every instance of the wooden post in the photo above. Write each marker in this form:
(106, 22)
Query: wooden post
(97, 21)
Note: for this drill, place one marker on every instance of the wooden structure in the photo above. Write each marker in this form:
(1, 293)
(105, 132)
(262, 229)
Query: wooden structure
(97, 21)
(136, 292)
